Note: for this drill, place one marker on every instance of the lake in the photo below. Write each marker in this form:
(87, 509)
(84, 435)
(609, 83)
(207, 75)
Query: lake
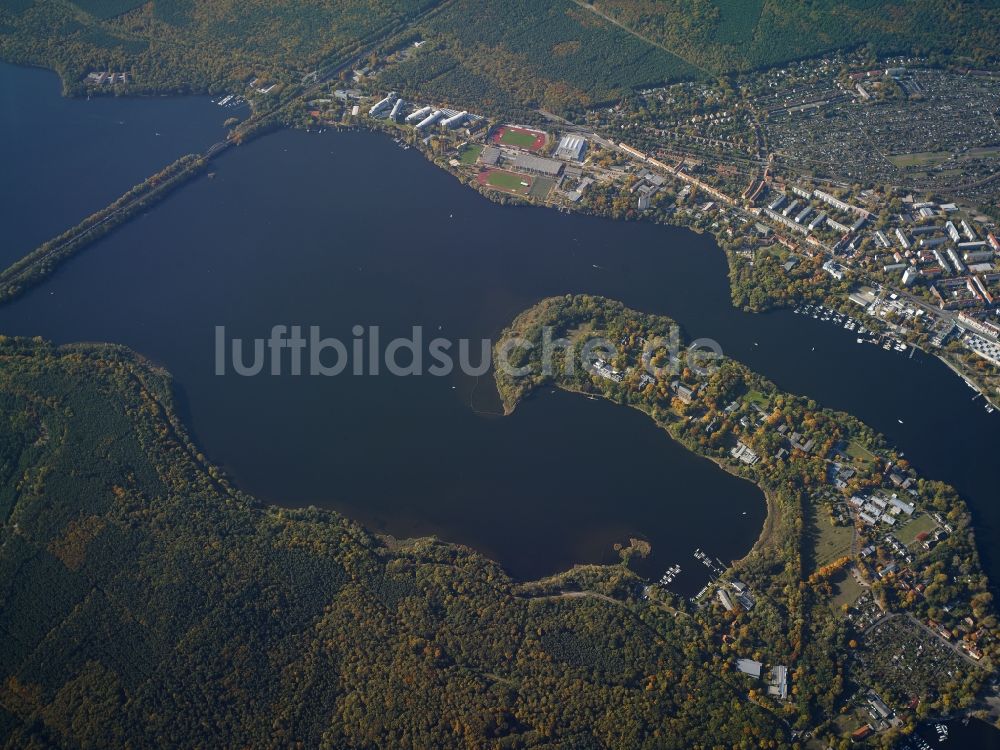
(66, 158)
(345, 229)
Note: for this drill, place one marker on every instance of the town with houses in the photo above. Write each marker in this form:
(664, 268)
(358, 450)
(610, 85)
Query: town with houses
(811, 162)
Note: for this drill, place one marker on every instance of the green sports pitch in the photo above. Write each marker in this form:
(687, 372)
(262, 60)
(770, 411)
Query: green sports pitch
(508, 182)
(517, 138)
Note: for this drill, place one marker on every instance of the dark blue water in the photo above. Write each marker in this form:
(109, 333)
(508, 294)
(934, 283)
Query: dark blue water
(344, 229)
(63, 159)
(975, 735)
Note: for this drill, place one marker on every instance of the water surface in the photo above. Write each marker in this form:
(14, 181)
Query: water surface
(63, 158)
(346, 229)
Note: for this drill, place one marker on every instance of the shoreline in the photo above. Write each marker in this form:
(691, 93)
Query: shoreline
(498, 198)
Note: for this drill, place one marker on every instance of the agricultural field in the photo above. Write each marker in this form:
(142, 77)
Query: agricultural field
(504, 181)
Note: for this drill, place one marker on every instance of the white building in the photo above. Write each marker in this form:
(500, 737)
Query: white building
(571, 148)
(455, 120)
(383, 106)
(834, 269)
(418, 115)
(429, 120)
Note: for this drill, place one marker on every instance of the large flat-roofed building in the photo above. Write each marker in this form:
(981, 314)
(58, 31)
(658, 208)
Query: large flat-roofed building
(749, 666)
(537, 165)
(572, 148)
(490, 156)
(432, 118)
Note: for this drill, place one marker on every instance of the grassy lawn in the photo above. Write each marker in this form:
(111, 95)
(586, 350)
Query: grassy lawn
(907, 534)
(846, 591)
(832, 542)
(469, 154)
(514, 138)
(932, 158)
(844, 724)
(758, 398)
(858, 452)
(975, 153)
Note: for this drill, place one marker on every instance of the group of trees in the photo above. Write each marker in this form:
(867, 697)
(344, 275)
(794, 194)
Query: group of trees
(760, 282)
(143, 601)
(738, 35)
(193, 45)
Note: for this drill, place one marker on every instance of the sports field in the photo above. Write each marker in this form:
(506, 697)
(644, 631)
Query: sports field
(529, 140)
(507, 182)
(470, 153)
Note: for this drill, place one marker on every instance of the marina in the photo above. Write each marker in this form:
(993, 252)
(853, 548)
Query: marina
(825, 314)
(230, 100)
(670, 575)
(715, 566)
